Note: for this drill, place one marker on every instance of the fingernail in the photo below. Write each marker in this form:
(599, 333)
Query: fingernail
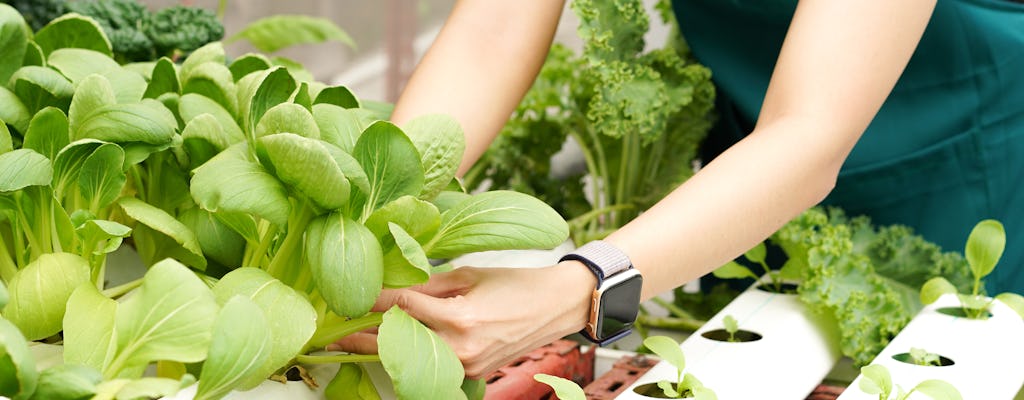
(332, 347)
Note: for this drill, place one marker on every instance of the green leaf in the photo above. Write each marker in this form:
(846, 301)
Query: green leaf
(101, 178)
(391, 162)
(203, 138)
(212, 52)
(13, 111)
(339, 126)
(261, 91)
(875, 379)
(241, 346)
(243, 224)
(352, 382)
(564, 388)
(273, 33)
(94, 92)
(23, 168)
(441, 142)
(938, 390)
(406, 264)
(193, 105)
(349, 167)
(437, 372)
(76, 64)
(337, 95)
(668, 350)
(18, 374)
(306, 167)
(4, 296)
(89, 328)
(6, 143)
(13, 42)
(475, 389)
(48, 132)
(288, 118)
(290, 317)
(703, 393)
(985, 246)
(96, 234)
(756, 253)
(153, 387)
(160, 221)
(247, 64)
(668, 389)
(40, 87)
(73, 31)
(147, 122)
(129, 87)
(730, 323)
(346, 262)
(169, 318)
(1014, 301)
(935, 288)
(68, 165)
(40, 291)
(418, 218)
(34, 55)
(233, 182)
(218, 241)
(67, 382)
(301, 97)
(213, 80)
(163, 80)
(497, 220)
(733, 270)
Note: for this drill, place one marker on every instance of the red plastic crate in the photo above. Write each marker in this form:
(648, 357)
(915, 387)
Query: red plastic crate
(562, 358)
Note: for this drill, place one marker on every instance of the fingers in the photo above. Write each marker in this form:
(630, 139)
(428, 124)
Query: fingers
(423, 307)
(359, 343)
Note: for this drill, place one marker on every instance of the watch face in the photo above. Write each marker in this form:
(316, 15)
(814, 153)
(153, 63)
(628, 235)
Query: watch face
(620, 300)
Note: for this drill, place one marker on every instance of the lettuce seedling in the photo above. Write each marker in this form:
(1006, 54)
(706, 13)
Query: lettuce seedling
(924, 358)
(685, 384)
(757, 255)
(564, 388)
(984, 248)
(731, 326)
(875, 379)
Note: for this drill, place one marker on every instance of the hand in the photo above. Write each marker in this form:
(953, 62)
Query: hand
(490, 316)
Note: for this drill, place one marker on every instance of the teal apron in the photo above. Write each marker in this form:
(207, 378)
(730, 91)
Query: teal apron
(947, 148)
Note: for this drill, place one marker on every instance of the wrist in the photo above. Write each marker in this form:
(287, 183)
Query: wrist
(578, 284)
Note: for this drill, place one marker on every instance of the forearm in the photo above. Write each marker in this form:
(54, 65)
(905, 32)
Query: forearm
(482, 63)
(838, 64)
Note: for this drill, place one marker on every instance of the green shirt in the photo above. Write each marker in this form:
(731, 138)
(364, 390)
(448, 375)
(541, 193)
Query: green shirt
(947, 148)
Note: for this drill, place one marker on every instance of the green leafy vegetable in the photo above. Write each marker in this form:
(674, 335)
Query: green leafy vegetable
(271, 34)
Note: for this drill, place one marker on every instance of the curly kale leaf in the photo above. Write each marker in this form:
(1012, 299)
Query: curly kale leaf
(123, 22)
(38, 13)
(180, 28)
(612, 30)
(867, 278)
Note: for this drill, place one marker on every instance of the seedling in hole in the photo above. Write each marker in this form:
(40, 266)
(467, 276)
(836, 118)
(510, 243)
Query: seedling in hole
(922, 357)
(757, 254)
(985, 246)
(875, 379)
(731, 326)
(685, 385)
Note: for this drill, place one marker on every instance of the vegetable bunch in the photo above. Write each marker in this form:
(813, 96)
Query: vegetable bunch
(637, 115)
(270, 210)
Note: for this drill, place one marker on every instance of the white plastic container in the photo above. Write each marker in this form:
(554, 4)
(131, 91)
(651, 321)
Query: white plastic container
(796, 351)
(986, 353)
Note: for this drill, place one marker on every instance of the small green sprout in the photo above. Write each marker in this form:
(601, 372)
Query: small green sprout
(731, 326)
(564, 388)
(985, 246)
(685, 385)
(757, 254)
(875, 379)
(922, 357)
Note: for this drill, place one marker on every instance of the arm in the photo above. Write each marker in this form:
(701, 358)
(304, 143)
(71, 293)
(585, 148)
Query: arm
(480, 67)
(839, 62)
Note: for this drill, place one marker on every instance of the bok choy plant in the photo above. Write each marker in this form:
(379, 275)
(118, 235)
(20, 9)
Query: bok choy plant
(270, 209)
(875, 379)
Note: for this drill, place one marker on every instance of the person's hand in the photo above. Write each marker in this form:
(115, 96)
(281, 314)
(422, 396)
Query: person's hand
(490, 316)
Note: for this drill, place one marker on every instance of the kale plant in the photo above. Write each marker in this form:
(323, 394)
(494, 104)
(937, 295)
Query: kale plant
(637, 115)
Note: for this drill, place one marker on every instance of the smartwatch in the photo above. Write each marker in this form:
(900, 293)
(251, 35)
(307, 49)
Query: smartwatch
(616, 299)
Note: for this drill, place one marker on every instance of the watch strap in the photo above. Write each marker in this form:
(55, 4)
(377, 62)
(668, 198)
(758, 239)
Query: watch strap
(602, 258)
